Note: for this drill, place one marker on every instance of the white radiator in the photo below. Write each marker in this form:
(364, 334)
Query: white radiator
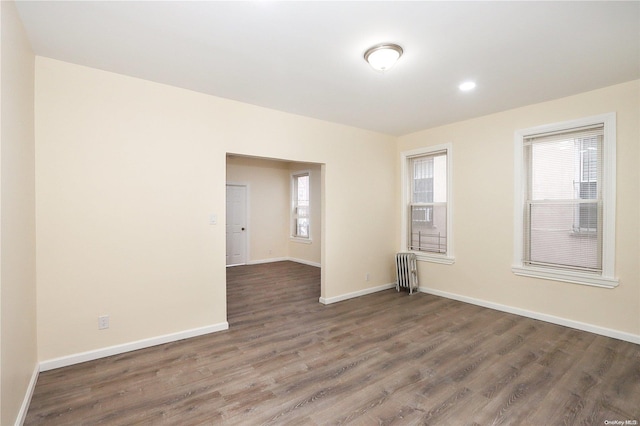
(406, 272)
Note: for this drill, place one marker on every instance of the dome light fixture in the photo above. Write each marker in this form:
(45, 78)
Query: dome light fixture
(383, 56)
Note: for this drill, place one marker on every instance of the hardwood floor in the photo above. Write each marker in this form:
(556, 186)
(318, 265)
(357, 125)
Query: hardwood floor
(386, 358)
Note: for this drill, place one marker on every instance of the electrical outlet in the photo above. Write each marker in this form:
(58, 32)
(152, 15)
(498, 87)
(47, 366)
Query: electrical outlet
(103, 322)
(366, 277)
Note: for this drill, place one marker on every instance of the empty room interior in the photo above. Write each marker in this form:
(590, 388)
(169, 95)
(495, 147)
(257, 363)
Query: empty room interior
(319, 212)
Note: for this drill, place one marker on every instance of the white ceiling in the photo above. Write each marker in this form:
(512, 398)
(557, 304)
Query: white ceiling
(307, 57)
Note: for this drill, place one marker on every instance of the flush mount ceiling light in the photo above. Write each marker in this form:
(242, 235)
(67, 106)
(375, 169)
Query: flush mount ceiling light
(383, 56)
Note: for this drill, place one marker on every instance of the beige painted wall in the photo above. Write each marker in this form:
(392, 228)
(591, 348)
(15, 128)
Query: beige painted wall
(128, 172)
(18, 350)
(268, 197)
(483, 217)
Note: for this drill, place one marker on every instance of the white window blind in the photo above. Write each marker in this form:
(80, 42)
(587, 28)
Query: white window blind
(563, 199)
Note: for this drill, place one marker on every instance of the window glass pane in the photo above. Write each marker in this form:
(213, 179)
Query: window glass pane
(440, 178)
(429, 228)
(589, 159)
(557, 168)
(429, 178)
(423, 180)
(302, 190)
(553, 170)
(553, 239)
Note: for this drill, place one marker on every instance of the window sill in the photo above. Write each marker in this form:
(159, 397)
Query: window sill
(300, 240)
(434, 258)
(566, 276)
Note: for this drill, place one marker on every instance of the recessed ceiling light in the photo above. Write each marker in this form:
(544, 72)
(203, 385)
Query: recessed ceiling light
(467, 85)
(383, 56)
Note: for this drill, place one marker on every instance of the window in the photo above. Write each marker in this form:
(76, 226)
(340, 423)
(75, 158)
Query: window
(565, 201)
(300, 205)
(426, 203)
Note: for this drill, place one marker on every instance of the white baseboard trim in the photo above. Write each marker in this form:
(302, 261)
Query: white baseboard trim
(270, 260)
(304, 262)
(131, 346)
(620, 335)
(282, 259)
(335, 299)
(22, 414)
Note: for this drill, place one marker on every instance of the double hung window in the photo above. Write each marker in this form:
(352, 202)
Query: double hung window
(300, 205)
(427, 218)
(565, 195)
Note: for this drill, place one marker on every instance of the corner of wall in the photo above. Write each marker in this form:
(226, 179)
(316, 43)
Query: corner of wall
(18, 336)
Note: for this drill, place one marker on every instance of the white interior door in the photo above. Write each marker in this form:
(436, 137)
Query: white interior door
(236, 224)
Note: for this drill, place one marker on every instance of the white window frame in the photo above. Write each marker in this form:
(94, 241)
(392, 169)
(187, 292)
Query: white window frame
(405, 156)
(294, 236)
(606, 278)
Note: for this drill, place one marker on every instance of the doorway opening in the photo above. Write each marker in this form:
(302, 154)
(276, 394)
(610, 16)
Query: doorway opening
(264, 212)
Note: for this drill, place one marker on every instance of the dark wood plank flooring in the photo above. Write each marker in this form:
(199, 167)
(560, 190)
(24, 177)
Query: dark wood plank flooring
(386, 358)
